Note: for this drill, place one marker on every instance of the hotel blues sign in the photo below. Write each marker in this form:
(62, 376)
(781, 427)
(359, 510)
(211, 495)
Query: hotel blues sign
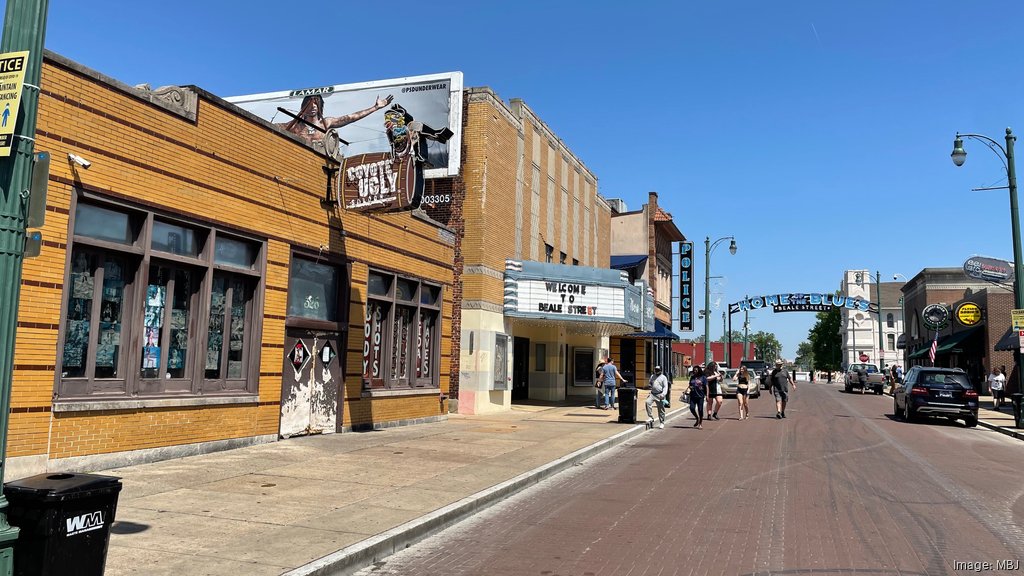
(803, 302)
(686, 286)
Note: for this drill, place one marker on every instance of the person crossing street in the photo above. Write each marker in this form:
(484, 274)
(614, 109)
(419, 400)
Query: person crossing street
(781, 383)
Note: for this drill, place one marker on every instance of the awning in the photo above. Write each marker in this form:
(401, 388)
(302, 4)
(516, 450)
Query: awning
(661, 330)
(954, 342)
(628, 262)
(1009, 341)
(947, 344)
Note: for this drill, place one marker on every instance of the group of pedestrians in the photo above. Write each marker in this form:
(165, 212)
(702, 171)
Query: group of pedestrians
(706, 386)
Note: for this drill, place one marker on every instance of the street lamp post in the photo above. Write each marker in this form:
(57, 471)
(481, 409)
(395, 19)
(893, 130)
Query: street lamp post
(959, 155)
(709, 247)
(903, 317)
(878, 302)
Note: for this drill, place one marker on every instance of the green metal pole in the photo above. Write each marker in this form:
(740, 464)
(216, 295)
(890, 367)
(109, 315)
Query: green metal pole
(725, 345)
(878, 301)
(746, 326)
(1018, 262)
(24, 29)
(707, 298)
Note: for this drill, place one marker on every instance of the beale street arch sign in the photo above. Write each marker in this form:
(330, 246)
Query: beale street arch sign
(802, 302)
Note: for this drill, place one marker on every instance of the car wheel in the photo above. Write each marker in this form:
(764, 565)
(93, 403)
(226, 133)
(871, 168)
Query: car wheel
(971, 421)
(908, 414)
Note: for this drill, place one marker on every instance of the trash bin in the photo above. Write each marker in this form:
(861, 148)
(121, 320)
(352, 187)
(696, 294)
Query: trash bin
(627, 405)
(65, 523)
(1015, 399)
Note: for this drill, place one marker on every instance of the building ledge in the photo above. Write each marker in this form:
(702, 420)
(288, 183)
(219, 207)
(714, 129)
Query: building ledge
(393, 393)
(141, 404)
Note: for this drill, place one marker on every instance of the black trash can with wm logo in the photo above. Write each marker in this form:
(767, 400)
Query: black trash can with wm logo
(64, 521)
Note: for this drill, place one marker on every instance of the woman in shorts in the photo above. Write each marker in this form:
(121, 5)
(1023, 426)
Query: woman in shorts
(742, 389)
(714, 379)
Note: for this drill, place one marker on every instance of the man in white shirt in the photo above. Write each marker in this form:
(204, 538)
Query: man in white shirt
(996, 383)
(659, 390)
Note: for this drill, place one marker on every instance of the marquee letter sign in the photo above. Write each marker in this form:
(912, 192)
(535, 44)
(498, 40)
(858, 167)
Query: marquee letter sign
(686, 286)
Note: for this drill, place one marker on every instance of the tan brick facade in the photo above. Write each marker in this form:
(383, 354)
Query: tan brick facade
(225, 169)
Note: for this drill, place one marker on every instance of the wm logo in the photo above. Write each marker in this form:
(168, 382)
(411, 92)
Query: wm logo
(84, 523)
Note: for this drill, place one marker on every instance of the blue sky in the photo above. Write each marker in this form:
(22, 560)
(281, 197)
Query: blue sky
(818, 133)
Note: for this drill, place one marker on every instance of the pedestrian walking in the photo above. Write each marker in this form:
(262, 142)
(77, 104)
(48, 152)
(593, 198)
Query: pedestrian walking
(996, 383)
(611, 374)
(713, 377)
(696, 391)
(780, 389)
(598, 384)
(742, 390)
(659, 391)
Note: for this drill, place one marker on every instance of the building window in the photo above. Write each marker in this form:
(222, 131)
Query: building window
(561, 257)
(575, 262)
(549, 253)
(541, 353)
(890, 321)
(401, 336)
(135, 277)
(890, 341)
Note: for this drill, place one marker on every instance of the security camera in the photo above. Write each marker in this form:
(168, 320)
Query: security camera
(79, 160)
(895, 276)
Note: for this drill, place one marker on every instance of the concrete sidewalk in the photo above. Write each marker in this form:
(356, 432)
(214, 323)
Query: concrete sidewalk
(322, 504)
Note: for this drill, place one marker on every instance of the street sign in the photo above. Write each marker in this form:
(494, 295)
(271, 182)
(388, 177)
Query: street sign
(1017, 318)
(12, 76)
(863, 357)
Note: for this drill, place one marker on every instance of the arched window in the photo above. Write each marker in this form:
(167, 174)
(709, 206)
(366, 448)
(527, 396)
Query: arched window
(889, 321)
(890, 340)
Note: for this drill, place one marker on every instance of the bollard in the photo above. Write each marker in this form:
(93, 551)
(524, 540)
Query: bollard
(1015, 399)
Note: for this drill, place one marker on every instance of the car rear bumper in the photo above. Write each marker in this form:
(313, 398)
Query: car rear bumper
(942, 409)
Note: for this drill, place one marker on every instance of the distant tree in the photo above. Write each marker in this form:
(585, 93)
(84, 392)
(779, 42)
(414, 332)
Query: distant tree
(737, 336)
(805, 355)
(768, 347)
(826, 342)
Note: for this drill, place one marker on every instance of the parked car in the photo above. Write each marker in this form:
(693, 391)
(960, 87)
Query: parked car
(729, 383)
(936, 392)
(875, 383)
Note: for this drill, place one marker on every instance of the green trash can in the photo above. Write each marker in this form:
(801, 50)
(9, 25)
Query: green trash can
(65, 523)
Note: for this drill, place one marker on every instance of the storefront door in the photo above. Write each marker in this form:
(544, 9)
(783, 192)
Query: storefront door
(311, 383)
(520, 369)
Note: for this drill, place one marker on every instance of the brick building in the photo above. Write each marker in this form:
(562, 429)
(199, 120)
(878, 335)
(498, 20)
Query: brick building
(641, 245)
(972, 348)
(193, 294)
(538, 300)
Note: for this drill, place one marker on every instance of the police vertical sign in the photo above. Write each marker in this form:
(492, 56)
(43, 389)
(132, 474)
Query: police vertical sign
(685, 286)
(12, 76)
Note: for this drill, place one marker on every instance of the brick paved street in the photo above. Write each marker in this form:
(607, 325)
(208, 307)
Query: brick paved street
(839, 487)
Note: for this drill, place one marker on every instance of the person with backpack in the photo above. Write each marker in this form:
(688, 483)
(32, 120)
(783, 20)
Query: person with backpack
(598, 377)
(659, 391)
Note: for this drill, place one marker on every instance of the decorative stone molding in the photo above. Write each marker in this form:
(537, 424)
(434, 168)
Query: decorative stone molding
(184, 100)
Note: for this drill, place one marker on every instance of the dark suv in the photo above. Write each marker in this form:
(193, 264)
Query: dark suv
(936, 392)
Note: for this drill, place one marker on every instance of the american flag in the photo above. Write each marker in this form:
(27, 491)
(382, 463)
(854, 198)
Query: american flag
(931, 351)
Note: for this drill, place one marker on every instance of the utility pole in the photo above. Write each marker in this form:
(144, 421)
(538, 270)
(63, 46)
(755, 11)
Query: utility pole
(725, 351)
(24, 29)
(746, 325)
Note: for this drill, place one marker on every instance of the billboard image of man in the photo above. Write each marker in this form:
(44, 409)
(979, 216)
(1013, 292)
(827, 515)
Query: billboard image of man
(311, 117)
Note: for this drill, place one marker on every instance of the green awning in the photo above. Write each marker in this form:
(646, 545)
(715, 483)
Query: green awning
(954, 342)
(921, 352)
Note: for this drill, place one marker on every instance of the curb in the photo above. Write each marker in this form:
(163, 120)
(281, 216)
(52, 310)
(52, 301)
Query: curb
(366, 552)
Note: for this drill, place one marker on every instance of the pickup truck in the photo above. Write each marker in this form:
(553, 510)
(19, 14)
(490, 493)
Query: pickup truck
(875, 379)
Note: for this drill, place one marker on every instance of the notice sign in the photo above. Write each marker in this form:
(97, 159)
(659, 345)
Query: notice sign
(570, 299)
(1017, 319)
(12, 77)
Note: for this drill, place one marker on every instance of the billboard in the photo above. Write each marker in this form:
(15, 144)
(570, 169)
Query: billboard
(419, 116)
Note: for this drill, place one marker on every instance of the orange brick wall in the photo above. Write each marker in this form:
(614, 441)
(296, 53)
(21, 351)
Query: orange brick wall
(225, 170)
(491, 168)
